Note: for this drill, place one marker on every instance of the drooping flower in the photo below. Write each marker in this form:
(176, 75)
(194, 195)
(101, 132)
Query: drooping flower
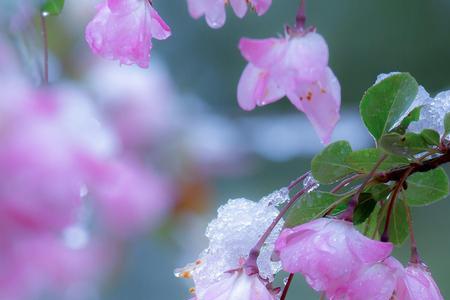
(123, 30)
(374, 281)
(416, 283)
(239, 285)
(214, 10)
(295, 66)
(329, 253)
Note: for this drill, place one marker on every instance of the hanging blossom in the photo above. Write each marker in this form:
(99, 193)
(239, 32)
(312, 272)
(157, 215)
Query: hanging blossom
(334, 257)
(416, 283)
(214, 10)
(123, 30)
(295, 66)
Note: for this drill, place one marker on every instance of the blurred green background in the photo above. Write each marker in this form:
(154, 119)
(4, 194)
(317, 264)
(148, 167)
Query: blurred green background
(365, 38)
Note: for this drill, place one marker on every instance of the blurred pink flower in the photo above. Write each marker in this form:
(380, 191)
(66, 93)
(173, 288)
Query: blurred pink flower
(328, 252)
(123, 29)
(214, 10)
(128, 198)
(416, 283)
(295, 66)
(35, 264)
(238, 285)
(139, 104)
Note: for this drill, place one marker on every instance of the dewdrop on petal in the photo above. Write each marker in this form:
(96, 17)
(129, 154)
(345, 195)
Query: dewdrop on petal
(232, 235)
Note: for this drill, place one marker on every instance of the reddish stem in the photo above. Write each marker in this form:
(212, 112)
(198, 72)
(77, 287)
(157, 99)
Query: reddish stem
(415, 257)
(286, 288)
(345, 182)
(301, 17)
(295, 182)
(251, 265)
(348, 213)
(393, 198)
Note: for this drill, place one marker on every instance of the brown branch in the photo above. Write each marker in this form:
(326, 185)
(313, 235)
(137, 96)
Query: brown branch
(415, 167)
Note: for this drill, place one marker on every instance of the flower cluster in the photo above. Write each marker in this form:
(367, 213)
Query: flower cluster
(338, 260)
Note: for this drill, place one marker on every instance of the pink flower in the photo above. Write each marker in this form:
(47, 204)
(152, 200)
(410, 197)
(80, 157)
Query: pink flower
(295, 66)
(329, 253)
(214, 10)
(238, 285)
(129, 198)
(416, 283)
(374, 281)
(123, 30)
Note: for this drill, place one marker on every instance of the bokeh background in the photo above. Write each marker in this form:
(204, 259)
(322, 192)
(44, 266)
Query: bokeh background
(208, 148)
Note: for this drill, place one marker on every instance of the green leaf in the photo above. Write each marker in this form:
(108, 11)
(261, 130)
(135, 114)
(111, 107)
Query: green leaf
(409, 144)
(363, 161)
(412, 116)
(447, 123)
(431, 137)
(384, 103)
(330, 165)
(379, 191)
(426, 188)
(366, 205)
(52, 7)
(369, 227)
(310, 207)
(398, 227)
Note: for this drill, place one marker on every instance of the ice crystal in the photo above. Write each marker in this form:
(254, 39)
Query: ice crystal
(432, 114)
(310, 183)
(235, 231)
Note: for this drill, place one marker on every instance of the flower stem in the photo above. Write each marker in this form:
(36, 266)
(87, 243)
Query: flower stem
(345, 182)
(295, 182)
(392, 199)
(286, 288)
(301, 17)
(45, 42)
(415, 257)
(250, 264)
(348, 213)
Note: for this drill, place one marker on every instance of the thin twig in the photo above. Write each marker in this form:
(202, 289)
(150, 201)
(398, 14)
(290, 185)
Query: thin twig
(301, 17)
(348, 213)
(345, 182)
(392, 199)
(415, 258)
(250, 264)
(295, 182)
(286, 288)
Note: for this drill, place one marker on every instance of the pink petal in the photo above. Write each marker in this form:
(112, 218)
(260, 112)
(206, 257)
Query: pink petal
(417, 283)
(160, 30)
(305, 59)
(320, 101)
(374, 282)
(215, 14)
(197, 8)
(261, 6)
(257, 88)
(240, 7)
(263, 53)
